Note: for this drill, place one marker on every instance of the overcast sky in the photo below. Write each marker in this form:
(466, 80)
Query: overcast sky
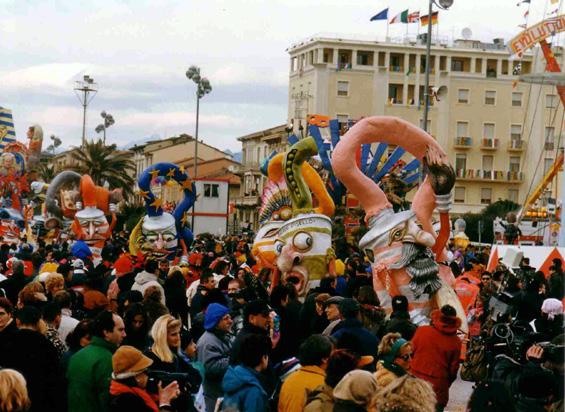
(138, 52)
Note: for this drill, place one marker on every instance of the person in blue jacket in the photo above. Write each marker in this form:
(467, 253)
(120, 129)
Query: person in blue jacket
(242, 386)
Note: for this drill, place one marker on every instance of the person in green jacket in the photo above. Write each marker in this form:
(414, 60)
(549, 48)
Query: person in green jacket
(90, 369)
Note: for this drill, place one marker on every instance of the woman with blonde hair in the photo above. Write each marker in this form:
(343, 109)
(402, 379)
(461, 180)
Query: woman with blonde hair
(395, 355)
(54, 283)
(406, 394)
(164, 354)
(13, 391)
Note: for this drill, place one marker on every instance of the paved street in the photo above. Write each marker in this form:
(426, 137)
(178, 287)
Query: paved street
(459, 394)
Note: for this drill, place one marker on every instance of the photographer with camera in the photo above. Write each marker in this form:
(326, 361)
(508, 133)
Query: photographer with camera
(129, 383)
(168, 365)
(536, 384)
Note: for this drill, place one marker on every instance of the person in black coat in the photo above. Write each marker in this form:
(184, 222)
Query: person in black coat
(15, 283)
(399, 321)
(35, 357)
(175, 295)
(164, 354)
(256, 321)
(7, 323)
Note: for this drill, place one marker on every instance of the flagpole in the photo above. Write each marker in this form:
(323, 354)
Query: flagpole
(386, 36)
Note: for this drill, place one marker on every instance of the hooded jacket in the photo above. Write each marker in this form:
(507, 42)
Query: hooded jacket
(243, 391)
(436, 351)
(144, 280)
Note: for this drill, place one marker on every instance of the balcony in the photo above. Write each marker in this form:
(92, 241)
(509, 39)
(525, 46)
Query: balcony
(516, 145)
(494, 176)
(489, 144)
(463, 143)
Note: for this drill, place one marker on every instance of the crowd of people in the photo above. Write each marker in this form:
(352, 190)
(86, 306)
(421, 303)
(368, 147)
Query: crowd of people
(217, 334)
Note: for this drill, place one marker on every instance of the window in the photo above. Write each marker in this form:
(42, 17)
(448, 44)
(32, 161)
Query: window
(211, 190)
(486, 196)
(462, 129)
(487, 162)
(463, 96)
(547, 163)
(516, 131)
(551, 101)
(258, 155)
(516, 99)
(342, 88)
(514, 164)
(365, 58)
(328, 55)
(513, 195)
(488, 130)
(460, 161)
(343, 120)
(490, 97)
(395, 93)
(549, 138)
(459, 196)
(457, 65)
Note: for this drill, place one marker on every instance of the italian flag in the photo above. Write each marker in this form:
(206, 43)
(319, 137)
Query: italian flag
(400, 18)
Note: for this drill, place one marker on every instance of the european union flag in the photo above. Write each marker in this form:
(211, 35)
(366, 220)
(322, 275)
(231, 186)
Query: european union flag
(383, 15)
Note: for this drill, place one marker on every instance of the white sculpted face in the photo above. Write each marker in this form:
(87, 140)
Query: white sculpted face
(304, 250)
(159, 237)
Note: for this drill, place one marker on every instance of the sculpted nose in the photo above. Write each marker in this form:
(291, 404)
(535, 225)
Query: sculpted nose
(296, 261)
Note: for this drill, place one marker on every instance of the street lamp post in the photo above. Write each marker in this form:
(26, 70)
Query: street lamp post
(203, 87)
(85, 91)
(444, 5)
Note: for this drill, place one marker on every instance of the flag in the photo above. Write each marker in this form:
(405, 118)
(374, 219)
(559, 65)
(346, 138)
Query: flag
(524, 26)
(526, 14)
(424, 19)
(554, 1)
(554, 11)
(523, 1)
(383, 15)
(400, 18)
(7, 132)
(414, 17)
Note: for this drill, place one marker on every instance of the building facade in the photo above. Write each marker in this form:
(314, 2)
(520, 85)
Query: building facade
(501, 135)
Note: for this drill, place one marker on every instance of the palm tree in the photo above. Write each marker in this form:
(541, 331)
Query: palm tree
(47, 172)
(106, 164)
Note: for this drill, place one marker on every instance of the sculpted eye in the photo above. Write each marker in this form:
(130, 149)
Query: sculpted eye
(397, 234)
(302, 241)
(271, 232)
(278, 246)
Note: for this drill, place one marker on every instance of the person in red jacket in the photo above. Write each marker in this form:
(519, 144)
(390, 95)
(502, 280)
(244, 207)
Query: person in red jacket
(436, 350)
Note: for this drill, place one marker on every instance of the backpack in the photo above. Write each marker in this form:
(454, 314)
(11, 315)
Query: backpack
(475, 366)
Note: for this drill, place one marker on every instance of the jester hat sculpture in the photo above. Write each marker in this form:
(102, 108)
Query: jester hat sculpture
(304, 244)
(90, 223)
(158, 234)
(399, 249)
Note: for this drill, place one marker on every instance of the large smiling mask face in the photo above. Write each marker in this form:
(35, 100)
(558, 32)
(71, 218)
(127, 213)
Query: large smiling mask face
(304, 249)
(159, 237)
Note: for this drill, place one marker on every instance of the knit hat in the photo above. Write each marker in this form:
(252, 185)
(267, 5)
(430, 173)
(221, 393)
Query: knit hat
(214, 313)
(358, 386)
(552, 307)
(349, 308)
(128, 361)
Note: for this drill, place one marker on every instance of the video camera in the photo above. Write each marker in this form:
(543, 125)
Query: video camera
(183, 379)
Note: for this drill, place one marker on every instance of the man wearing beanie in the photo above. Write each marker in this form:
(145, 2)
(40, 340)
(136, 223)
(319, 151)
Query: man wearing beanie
(399, 321)
(256, 320)
(213, 349)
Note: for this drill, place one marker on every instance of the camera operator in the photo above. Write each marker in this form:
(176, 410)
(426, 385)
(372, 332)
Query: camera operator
(164, 354)
(538, 382)
(129, 383)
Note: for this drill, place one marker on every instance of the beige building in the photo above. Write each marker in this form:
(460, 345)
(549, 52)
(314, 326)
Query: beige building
(501, 135)
(256, 147)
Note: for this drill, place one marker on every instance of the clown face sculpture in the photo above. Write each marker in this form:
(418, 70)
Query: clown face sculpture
(159, 234)
(304, 249)
(303, 245)
(159, 237)
(399, 245)
(93, 227)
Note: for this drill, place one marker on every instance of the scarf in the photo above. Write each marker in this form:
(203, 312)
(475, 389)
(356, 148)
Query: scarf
(394, 368)
(117, 388)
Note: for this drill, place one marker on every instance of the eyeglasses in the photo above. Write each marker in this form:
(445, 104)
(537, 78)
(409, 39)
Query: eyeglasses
(406, 357)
